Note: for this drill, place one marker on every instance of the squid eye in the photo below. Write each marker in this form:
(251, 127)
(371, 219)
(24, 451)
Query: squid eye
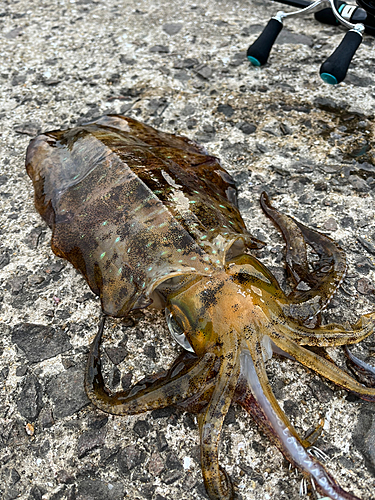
(176, 331)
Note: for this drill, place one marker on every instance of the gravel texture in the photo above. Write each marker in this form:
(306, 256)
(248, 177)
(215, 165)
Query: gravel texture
(181, 67)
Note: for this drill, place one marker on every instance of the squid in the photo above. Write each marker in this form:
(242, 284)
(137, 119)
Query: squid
(151, 219)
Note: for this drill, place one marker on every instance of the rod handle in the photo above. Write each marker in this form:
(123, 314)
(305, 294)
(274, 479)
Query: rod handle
(259, 51)
(334, 69)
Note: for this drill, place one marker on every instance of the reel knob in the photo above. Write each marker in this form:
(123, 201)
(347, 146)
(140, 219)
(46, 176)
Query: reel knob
(334, 69)
(259, 51)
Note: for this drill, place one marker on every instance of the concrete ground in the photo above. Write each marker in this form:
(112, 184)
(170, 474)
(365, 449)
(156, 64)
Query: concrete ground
(181, 67)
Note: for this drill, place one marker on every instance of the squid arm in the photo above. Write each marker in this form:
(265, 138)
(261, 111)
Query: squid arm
(216, 480)
(325, 368)
(165, 389)
(322, 336)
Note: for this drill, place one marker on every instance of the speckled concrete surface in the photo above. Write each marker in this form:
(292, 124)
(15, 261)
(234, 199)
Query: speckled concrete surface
(181, 67)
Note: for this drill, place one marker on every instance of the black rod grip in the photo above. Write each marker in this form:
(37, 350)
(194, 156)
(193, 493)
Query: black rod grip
(334, 69)
(259, 51)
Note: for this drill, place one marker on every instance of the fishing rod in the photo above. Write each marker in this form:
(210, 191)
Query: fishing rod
(357, 18)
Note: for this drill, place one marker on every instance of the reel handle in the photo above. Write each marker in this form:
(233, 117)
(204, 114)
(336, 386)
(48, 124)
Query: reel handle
(259, 51)
(334, 69)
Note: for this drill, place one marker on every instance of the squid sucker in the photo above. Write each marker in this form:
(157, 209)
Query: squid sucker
(151, 218)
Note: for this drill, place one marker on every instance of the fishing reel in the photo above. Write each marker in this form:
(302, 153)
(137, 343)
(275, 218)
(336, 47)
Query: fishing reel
(334, 69)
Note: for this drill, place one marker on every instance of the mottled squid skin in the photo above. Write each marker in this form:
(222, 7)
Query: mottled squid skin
(150, 217)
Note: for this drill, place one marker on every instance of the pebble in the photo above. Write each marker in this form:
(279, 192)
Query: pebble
(172, 28)
(142, 428)
(226, 109)
(29, 402)
(96, 489)
(29, 428)
(67, 393)
(365, 286)
(204, 71)
(161, 49)
(330, 224)
(366, 244)
(90, 440)
(40, 342)
(155, 464)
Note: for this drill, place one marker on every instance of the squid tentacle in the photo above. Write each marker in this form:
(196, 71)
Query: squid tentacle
(296, 255)
(216, 480)
(315, 289)
(277, 425)
(325, 368)
(161, 390)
